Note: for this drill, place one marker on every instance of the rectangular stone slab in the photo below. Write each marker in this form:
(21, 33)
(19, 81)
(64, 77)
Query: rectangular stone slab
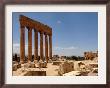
(35, 73)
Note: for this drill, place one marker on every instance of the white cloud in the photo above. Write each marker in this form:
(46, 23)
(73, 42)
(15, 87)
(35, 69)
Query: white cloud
(56, 50)
(65, 51)
(65, 48)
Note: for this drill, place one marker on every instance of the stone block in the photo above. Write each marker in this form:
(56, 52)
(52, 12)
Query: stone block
(93, 65)
(29, 65)
(49, 61)
(19, 66)
(14, 67)
(56, 62)
(35, 61)
(42, 64)
(65, 67)
(73, 73)
(95, 70)
(84, 73)
(32, 65)
(35, 73)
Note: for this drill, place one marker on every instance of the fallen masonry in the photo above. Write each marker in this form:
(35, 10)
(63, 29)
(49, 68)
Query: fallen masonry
(73, 73)
(59, 68)
(57, 62)
(65, 67)
(35, 73)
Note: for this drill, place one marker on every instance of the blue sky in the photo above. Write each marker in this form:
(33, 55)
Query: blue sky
(73, 32)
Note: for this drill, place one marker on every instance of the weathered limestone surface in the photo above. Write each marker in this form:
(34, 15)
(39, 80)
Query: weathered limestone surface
(38, 27)
(46, 48)
(15, 67)
(57, 62)
(50, 48)
(73, 73)
(95, 70)
(35, 24)
(19, 66)
(84, 68)
(32, 65)
(88, 68)
(22, 44)
(41, 46)
(42, 64)
(35, 45)
(66, 67)
(93, 65)
(29, 65)
(50, 61)
(29, 44)
(90, 55)
(35, 73)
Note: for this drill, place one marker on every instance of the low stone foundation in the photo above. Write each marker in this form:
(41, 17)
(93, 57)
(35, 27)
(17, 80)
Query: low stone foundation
(56, 62)
(19, 66)
(42, 65)
(32, 65)
(29, 65)
(35, 73)
(16, 66)
(95, 70)
(93, 65)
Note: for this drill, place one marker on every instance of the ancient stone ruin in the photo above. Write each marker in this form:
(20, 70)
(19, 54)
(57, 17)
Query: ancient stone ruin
(44, 30)
(65, 67)
(90, 55)
(33, 65)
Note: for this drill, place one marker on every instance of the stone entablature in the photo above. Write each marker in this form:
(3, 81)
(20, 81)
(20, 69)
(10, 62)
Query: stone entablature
(28, 22)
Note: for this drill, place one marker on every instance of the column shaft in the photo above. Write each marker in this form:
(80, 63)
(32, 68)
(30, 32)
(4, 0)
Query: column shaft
(50, 46)
(22, 44)
(35, 45)
(29, 44)
(41, 46)
(46, 48)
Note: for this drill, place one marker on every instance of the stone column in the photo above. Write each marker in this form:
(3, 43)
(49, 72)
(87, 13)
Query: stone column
(29, 44)
(22, 44)
(35, 44)
(41, 46)
(50, 46)
(46, 48)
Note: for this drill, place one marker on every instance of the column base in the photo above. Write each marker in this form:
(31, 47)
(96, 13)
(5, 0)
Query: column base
(35, 61)
(50, 61)
(29, 61)
(32, 65)
(21, 62)
(42, 64)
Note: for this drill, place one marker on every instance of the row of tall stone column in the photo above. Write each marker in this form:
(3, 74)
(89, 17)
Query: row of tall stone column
(22, 45)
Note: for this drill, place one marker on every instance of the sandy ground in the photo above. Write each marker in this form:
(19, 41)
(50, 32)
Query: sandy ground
(52, 70)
